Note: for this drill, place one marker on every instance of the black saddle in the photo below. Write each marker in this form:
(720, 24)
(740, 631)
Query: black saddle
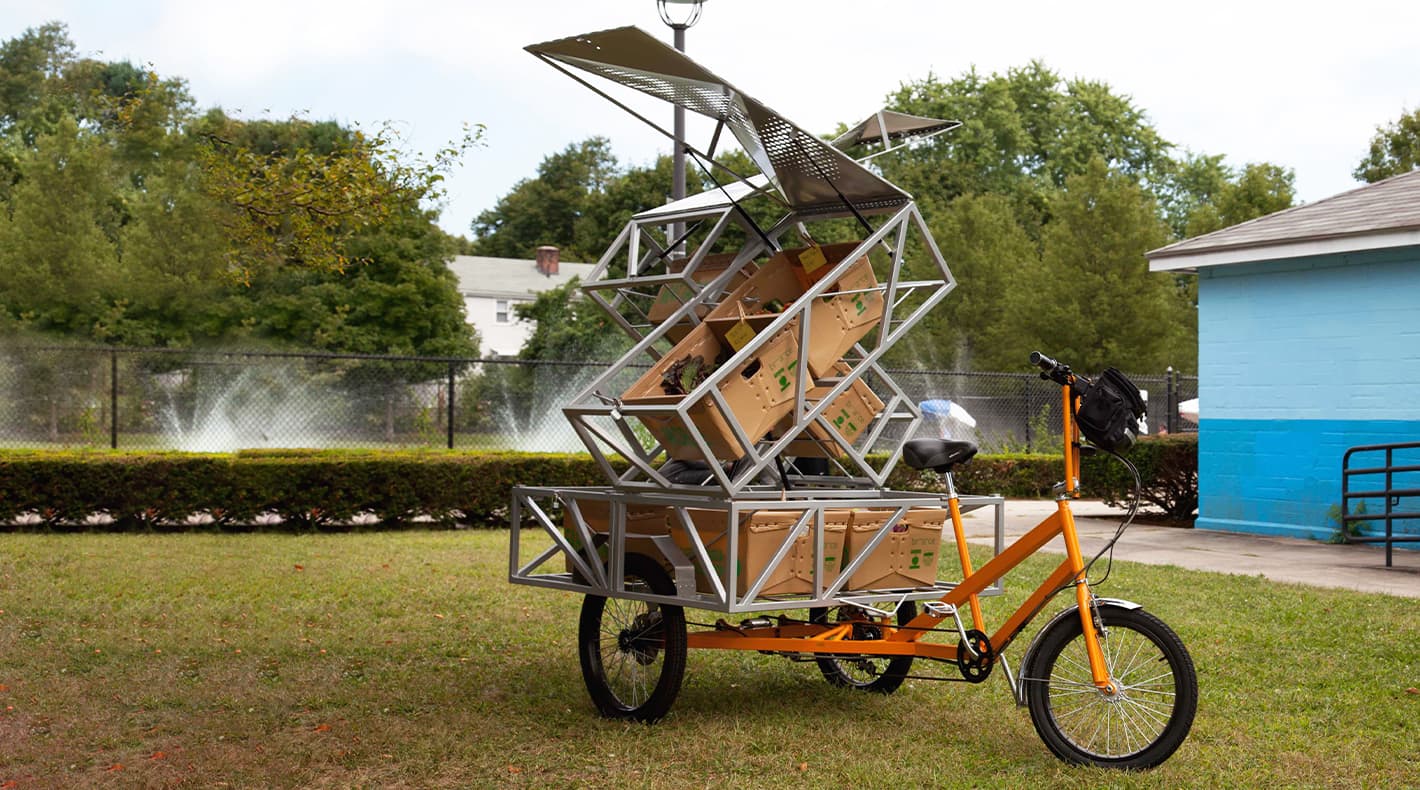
(937, 454)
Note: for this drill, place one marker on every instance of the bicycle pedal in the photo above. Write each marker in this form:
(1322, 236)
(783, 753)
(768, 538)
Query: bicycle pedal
(939, 609)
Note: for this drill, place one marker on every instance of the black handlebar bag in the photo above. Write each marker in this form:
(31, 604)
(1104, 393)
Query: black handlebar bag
(1110, 410)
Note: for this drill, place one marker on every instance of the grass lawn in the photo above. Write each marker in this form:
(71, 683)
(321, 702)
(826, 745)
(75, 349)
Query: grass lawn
(407, 659)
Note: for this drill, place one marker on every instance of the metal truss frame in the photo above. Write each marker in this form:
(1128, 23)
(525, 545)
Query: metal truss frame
(608, 426)
(590, 576)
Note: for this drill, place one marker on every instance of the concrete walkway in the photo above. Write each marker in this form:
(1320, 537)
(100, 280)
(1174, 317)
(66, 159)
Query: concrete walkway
(1352, 566)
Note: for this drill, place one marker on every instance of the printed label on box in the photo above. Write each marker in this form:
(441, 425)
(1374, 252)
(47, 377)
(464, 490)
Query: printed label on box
(739, 335)
(811, 258)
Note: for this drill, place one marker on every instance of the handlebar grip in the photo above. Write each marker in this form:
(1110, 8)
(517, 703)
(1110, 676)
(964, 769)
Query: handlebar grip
(1046, 364)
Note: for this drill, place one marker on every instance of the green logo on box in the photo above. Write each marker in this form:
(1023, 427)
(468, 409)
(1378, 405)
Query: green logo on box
(783, 374)
(845, 417)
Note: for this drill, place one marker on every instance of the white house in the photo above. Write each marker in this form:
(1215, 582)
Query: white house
(492, 286)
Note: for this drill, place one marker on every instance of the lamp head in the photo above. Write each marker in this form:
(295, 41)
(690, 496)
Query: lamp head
(679, 14)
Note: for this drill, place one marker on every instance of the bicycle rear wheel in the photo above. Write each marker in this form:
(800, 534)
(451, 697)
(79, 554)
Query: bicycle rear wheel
(881, 674)
(633, 652)
(1138, 725)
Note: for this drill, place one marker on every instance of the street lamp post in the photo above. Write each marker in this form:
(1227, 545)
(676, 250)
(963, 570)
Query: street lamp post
(679, 15)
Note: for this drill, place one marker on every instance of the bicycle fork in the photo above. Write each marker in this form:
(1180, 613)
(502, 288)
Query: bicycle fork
(1084, 601)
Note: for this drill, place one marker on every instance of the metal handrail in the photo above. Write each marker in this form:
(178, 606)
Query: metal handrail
(1390, 493)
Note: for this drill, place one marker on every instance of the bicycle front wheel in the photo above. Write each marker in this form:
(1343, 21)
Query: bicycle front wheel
(1142, 720)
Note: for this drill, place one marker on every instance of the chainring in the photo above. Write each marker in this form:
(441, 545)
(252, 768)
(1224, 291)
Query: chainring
(978, 667)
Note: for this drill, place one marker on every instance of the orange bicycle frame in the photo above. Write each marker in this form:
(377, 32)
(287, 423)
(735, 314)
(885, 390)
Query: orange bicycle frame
(906, 639)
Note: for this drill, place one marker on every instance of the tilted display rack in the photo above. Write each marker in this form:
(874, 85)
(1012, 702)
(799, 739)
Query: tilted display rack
(792, 337)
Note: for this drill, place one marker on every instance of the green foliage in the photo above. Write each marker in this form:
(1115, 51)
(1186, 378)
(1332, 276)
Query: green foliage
(1092, 300)
(553, 207)
(1011, 475)
(989, 254)
(1168, 469)
(308, 489)
(325, 489)
(568, 327)
(127, 217)
(1395, 149)
(1256, 191)
(1023, 133)
(1346, 529)
(581, 198)
(58, 254)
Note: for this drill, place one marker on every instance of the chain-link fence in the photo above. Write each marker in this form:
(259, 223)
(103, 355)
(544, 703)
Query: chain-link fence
(222, 401)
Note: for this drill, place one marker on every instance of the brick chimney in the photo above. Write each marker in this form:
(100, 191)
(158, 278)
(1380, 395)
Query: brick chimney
(547, 258)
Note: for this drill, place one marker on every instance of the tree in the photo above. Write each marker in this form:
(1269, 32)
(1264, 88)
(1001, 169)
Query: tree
(1022, 135)
(126, 217)
(56, 260)
(569, 327)
(1395, 149)
(1092, 299)
(546, 209)
(294, 192)
(988, 253)
(582, 197)
(1260, 189)
(1193, 181)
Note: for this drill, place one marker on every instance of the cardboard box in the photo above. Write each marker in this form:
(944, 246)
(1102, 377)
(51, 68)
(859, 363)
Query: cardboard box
(671, 296)
(761, 533)
(836, 322)
(907, 555)
(851, 413)
(641, 522)
(759, 393)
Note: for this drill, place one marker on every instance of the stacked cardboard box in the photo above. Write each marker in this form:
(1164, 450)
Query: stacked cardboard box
(758, 393)
(761, 391)
(671, 296)
(907, 555)
(642, 523)
(761, 533)
(851, 413)
(836, 321)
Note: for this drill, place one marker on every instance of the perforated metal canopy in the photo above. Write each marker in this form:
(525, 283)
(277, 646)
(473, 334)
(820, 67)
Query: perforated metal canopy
(898, 126)
(810, 174)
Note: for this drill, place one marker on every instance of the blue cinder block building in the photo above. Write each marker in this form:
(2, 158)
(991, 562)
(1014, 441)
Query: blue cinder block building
(1308, 344)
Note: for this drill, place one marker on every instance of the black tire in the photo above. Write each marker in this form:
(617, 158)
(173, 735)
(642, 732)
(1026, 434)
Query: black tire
(879, 674)
(1137, 727)
(633, 652)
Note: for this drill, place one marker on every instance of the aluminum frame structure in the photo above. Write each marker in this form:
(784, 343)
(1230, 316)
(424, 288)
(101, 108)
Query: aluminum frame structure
(816, 181)
(607, 425)
(813, 182)
(591, 577)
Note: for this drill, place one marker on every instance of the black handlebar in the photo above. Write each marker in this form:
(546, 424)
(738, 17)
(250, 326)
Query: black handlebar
(1049, 368)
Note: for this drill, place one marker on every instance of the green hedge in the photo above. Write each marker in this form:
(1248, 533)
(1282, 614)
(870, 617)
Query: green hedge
(312, 490)
(1168, 467)
(309, 490)
(1012, 475)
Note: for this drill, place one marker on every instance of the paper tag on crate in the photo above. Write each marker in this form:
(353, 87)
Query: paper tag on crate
(811, 258)
(739, 335)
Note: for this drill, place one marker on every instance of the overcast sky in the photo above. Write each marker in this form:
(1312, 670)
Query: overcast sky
(1299, 84)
